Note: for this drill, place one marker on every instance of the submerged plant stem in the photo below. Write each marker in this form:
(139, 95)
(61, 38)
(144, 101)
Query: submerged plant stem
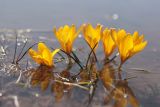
(72, 84)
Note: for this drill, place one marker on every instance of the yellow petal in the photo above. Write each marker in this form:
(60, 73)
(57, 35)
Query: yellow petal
(63, 47)
(72, 34)
(98, 32)
(42, 47)
(108, 43)
(38, 59)
(35, 56)
(135, 36)
(139, 40)
(125, 48)
(45, 53)
(66, 31)
(47, 57)
(54, 52)
(58, 33)
(63, 34)
(32, 53)
(120, 35)
(92, 35)
(114, 35)
(66, 36)
(139, 47)
(66, 28)
(69, 47)
(87, 34)
(105, 32)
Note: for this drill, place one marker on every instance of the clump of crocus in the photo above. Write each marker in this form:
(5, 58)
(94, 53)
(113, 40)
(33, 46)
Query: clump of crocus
(92, 35)
(128, 44)
(108, 44)
(66, 36)
(43, 56)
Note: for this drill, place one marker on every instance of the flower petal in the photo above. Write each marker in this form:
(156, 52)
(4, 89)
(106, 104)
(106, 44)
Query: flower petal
(42, 47)
(125, 48)
(135, 36)
(120, 35)
(35, 56)
(139, 47)
(54, 52)
(47, 57)
(108, 43)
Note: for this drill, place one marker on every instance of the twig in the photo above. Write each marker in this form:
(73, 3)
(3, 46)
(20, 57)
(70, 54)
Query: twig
(72, 84)
(73, 59)
(139, 69)
(15, 51)
(21, 51)
(19, 78)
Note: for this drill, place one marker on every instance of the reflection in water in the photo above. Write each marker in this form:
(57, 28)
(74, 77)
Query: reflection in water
(117, 89)
(63, 82)
(44, 76)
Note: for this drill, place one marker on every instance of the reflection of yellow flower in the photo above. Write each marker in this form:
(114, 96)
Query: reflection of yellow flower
(92, 35)
(44, 55)
(108, 43)
(66, 36)
(123, 95)
(129, 45)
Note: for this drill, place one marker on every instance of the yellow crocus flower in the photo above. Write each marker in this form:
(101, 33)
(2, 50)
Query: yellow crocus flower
(130, 45)
(108, 43)
(92, 35)
(66, 36)
(118, 35)
(43, 56)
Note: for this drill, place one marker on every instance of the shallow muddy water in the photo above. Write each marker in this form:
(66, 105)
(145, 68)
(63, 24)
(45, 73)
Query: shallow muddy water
(143, 69)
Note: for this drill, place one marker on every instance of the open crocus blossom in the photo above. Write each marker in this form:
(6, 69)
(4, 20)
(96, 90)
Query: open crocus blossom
(108, 43)
(43, 56)
(92, 35)
(129, 45)
(66, 36)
